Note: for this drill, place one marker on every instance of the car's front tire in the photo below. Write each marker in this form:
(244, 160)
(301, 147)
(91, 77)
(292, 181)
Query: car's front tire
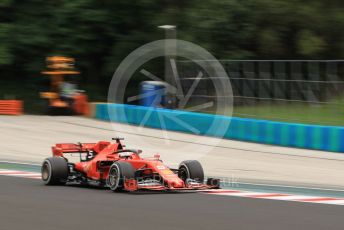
(55, 171)
(118, 172)
(191, 169)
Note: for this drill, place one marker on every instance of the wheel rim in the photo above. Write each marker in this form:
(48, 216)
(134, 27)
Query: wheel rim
(45, 171)
(113, 178)
(183, 173)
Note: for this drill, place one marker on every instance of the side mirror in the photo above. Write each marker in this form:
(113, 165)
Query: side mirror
(157, 156)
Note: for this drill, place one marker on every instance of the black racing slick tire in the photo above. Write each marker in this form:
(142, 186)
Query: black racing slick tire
(191, 169)
(55, 171)
(118, 172)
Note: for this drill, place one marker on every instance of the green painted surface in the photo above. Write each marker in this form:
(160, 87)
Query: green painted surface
(20, 167)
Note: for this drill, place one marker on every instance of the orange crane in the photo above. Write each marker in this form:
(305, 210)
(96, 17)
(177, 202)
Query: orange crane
(64, 97)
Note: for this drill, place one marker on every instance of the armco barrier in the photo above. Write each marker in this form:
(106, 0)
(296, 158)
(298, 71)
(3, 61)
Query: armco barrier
(327, 138)
(11, 107)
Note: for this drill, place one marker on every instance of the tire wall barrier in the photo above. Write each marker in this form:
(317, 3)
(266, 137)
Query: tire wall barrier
(317, 137)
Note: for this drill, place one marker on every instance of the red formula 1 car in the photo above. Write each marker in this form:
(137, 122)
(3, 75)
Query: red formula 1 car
(110, 164)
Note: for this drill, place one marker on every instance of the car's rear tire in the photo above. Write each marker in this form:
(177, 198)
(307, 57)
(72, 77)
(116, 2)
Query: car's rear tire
(118, 172)
(191, 169)
(55, 171)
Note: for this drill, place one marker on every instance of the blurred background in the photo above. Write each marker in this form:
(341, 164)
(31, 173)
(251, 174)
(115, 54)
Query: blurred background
(283, 57)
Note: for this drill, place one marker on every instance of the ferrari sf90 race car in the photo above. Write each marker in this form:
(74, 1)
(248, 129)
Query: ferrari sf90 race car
(110, 164)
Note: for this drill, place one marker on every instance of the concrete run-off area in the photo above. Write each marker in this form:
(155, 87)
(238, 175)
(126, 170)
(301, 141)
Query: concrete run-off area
(29, 139)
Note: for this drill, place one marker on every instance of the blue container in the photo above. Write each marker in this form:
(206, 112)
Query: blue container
(152, 93)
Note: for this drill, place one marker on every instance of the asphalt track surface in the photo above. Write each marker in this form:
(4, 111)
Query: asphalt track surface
(28, 204)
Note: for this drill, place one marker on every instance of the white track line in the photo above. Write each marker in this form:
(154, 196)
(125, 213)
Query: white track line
(24, 174)
(277, 196)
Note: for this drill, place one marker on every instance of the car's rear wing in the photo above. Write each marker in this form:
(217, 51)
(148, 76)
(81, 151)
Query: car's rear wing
(61, 148)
